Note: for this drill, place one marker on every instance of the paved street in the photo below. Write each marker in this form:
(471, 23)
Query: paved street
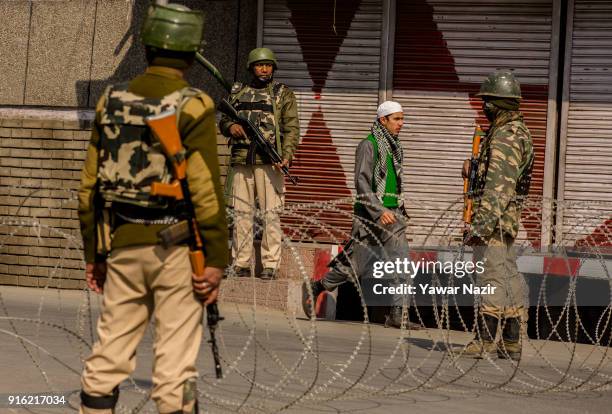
(275, 361)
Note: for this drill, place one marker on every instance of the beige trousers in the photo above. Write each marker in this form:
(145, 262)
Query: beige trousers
(267, 183)
(141, 282)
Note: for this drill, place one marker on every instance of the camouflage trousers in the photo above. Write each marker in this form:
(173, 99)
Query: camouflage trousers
(509, 299)
(144, 282)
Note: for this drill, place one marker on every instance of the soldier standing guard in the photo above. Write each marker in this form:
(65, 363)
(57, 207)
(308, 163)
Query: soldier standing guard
(120, 221)
(272, 107)
(502, 183)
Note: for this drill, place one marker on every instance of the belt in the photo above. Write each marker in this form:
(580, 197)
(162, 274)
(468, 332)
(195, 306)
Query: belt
(126, 213)
(161, 220)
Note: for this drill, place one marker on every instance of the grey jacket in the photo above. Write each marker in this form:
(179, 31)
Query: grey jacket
(366, 221)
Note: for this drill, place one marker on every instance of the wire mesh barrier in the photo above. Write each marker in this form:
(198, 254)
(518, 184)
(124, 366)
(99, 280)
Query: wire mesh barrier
(275, 358)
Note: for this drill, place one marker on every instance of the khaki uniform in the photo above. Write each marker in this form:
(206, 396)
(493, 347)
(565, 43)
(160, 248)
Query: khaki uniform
(274, 110)
(503, 178)
(145, 280)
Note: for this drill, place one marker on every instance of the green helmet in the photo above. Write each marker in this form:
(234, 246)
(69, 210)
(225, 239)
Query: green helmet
(501, 84)
(173, 27)
(261, 54)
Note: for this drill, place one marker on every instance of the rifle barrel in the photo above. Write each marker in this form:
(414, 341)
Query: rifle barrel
(213, 71)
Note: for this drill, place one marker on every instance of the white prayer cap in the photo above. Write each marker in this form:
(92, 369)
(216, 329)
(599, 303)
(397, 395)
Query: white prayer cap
(388, 108)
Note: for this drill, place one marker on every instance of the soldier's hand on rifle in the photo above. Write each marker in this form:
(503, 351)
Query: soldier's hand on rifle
(280, 165)
(387, 218)
(237, 131)
(95, 275)
(206, 286)
(465, 171)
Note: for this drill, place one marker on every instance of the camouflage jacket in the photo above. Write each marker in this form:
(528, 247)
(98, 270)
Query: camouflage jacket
(503, 178)
(130, 160)
(198, 133)
(258, 105)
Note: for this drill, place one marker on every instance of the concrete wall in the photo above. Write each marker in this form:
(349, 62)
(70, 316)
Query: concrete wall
(40, 162)
(57, 58)
(41, 156)
(62, 53)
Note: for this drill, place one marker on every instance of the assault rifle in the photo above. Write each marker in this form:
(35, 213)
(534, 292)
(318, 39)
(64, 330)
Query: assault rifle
(255, 134)
(166, 132)
(469, 182)
(251, 130)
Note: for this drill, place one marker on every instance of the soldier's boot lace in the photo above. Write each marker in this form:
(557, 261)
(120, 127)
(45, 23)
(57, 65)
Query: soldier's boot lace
(511, 346)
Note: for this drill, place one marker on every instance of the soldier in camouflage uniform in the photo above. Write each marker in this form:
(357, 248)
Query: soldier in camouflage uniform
(272, 107)
(503, 178)
(120, 221)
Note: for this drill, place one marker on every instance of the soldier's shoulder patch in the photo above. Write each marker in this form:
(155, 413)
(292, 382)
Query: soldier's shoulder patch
(236, 87)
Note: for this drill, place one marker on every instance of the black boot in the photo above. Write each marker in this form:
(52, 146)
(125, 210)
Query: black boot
(394, 320)
(484, 341)
(511, 336)
(308, 304)
(99, 404)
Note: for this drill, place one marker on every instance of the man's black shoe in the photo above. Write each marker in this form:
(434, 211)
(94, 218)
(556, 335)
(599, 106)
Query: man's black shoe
(308, 304)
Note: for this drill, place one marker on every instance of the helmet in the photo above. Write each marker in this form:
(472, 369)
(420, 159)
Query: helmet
(173, 27)
(501, 84)
(260, 54)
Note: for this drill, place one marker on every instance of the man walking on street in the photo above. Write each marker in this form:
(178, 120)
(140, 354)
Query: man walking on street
(120, 222)
(380, 219)
(502, 183)
(272, 107)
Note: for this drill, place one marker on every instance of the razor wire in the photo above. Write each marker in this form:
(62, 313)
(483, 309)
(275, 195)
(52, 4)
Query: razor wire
(265, 378)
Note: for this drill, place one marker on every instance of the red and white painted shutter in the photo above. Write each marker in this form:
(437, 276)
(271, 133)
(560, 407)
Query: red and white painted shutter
(586, 156)
(443, 51)
(331, 60)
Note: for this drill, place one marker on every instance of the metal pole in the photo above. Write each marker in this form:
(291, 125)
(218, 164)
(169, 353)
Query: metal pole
(387, 44)
(563, 124)
(260, 22)
(550, 153)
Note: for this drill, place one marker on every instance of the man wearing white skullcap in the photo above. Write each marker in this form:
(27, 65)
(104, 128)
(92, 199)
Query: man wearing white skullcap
(380, 218)
(388, 108)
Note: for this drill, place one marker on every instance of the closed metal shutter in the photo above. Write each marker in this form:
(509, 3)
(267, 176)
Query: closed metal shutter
(330, 57)
(586, 159)
(443, 51)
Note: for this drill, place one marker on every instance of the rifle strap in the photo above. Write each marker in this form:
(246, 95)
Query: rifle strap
(185, 94)
(241, 90)
(274, 89)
